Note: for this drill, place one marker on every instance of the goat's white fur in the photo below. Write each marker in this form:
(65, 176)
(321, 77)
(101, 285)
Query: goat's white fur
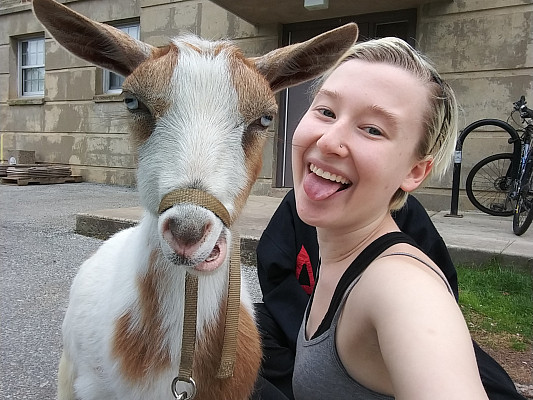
(204, 102)
(102, 291)
(133, 286)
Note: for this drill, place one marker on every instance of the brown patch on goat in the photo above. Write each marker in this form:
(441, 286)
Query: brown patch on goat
(224, 46)
(253, 91)
(207, 359)
(150, 83)
(253, 148)
(255, 99)
(139, 345)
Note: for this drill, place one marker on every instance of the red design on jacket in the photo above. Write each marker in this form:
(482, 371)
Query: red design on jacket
(303, 264)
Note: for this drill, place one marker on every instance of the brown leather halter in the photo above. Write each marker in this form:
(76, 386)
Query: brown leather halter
(229, 348)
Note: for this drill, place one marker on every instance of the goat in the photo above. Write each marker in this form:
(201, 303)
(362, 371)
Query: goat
(200, 111)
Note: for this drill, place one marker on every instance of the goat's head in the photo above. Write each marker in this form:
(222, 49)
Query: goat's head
(200, 111)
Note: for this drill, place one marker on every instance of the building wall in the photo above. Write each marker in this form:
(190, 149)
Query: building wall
(75, 123)
(484, 48)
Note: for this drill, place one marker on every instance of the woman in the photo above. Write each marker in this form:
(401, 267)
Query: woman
(382, 321)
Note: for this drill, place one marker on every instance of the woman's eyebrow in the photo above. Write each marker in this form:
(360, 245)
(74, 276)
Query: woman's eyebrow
(392, 118)
(328, 93)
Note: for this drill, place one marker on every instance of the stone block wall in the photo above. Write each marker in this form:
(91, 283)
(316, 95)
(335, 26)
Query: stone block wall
(484, 48)
(75, 122)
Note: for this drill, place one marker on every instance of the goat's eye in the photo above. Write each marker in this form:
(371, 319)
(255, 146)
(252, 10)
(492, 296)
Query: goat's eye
(260, 124)
(266, 120)
(131, 103)
(136, 106)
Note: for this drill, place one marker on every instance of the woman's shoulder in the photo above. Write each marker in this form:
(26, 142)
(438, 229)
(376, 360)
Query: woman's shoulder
(400, 278)
(416, 321)
(403, 264)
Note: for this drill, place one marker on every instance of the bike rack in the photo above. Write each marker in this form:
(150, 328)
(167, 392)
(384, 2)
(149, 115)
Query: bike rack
(458, 155)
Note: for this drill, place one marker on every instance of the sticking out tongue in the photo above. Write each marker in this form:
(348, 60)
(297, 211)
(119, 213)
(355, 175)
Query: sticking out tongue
(318, 188)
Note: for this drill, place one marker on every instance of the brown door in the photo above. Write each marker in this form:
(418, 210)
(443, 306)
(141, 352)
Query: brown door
(295, 101)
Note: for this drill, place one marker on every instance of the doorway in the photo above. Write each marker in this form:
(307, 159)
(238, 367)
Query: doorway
(295, 100)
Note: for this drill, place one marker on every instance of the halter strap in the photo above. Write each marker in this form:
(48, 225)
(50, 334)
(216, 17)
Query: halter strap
(231, 323)
(198, 197)
(231, 326)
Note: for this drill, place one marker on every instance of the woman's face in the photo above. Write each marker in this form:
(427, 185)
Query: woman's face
(355, 146)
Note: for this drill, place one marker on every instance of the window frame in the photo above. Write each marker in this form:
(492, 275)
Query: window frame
(109, 75)
(22, 68)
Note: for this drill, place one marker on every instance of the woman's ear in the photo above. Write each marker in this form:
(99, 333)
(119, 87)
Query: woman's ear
(417, 175)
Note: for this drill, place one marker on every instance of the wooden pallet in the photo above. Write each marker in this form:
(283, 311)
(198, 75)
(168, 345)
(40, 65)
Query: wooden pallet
(42, 180)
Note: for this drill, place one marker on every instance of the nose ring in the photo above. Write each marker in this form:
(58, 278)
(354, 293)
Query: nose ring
(341, 146)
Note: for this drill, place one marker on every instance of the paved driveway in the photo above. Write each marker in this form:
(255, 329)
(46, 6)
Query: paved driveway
(39, 256)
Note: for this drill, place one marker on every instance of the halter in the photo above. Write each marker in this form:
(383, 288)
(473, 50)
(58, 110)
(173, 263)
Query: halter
(229, 348)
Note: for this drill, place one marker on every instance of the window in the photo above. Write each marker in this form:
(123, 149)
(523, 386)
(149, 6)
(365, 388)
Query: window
(31, 67)
(113, 82)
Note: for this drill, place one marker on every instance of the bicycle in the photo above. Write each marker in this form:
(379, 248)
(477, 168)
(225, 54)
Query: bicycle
(502, 184)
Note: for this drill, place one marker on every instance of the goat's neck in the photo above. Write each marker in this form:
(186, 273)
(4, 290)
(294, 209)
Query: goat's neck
(163, 282)
(148, 334)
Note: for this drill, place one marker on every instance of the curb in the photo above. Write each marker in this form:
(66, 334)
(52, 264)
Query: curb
(102, 227)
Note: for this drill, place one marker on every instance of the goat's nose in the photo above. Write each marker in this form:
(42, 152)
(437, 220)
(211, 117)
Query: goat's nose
(185, 236)
(188, 232)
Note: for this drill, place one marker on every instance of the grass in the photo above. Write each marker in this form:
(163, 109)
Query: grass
(498, 300)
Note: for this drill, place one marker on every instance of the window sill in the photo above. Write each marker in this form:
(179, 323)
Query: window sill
(108, 98)
(30, 101)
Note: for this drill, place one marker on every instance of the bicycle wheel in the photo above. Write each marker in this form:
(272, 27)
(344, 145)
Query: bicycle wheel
(488, 185)
(523, 214)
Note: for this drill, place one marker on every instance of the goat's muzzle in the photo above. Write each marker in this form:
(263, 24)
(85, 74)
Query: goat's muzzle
(193, 228)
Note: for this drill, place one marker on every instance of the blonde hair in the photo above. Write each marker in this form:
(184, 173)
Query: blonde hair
(441, 115)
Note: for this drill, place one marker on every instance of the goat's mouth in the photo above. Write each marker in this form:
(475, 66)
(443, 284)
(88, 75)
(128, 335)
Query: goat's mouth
(215, 258)
(203, 259)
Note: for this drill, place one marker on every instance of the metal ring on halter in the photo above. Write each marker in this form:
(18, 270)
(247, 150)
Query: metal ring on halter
(183, 395)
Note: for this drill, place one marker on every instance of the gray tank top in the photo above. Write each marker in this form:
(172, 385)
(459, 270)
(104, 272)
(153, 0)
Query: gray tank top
(318, 371)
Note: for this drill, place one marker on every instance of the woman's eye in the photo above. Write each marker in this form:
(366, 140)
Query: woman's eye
(327, 113)
(373, 131)
(266, 120)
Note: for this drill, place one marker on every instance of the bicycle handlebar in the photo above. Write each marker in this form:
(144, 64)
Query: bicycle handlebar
(520, 106)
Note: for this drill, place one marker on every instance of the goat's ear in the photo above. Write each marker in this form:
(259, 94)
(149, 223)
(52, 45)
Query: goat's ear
(300, 62)
(98, 43)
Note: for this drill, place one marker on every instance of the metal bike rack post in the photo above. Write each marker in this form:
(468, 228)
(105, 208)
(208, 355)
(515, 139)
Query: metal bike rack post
(457, 159)
(515, 140)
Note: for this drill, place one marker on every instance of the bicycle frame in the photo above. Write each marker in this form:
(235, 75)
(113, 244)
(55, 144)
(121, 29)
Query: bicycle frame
(527, 153)
(523, 213)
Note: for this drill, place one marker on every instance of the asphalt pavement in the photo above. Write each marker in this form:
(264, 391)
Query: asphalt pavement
(40, 253)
